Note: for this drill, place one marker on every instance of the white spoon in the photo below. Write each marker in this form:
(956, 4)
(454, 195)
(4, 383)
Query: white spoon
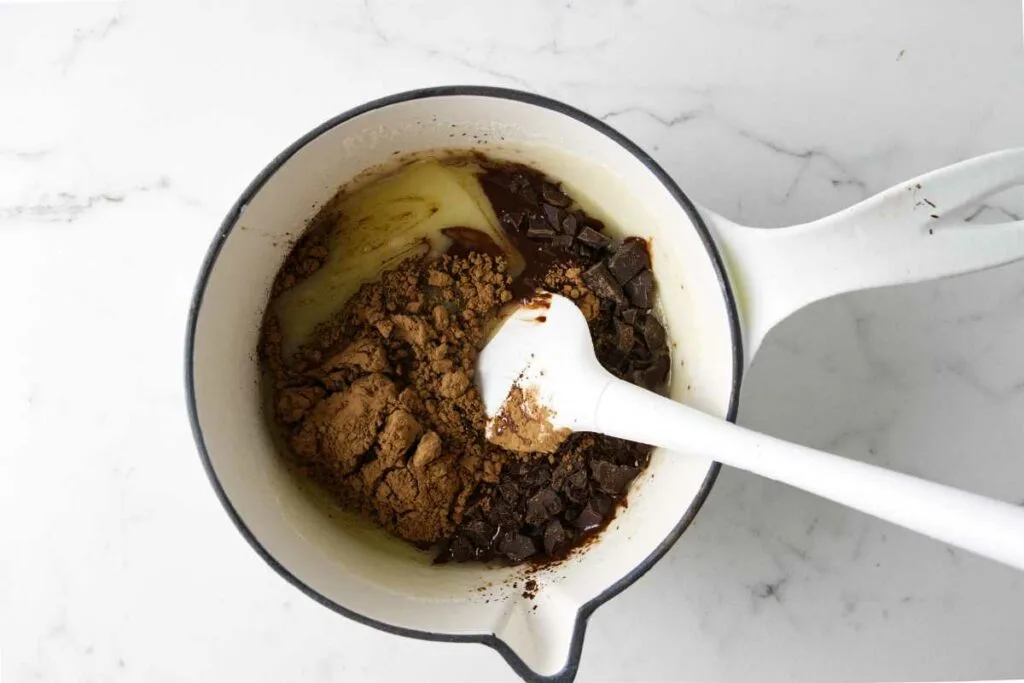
(543, 356)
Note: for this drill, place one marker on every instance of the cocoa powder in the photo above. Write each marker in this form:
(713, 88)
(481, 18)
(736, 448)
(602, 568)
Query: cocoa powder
(523, 424)
(380, 406)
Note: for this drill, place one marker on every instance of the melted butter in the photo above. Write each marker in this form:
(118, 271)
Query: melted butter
(380, 224)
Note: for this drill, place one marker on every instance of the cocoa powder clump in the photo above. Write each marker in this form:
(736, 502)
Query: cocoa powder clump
(380, 406)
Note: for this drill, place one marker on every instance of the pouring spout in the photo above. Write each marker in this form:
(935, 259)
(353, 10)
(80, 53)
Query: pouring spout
(541, 630)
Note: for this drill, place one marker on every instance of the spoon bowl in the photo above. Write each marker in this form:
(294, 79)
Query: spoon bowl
(542, 353)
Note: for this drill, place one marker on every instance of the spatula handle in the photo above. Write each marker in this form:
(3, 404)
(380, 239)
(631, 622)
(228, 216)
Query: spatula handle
(982, 525)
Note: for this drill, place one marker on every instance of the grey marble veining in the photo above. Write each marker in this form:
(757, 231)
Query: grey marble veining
(127, 129)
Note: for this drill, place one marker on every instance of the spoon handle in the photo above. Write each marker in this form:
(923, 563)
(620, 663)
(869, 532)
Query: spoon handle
(982, 525)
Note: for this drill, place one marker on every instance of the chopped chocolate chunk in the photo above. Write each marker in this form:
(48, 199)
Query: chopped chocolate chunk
(599, 279)
(612, 478)
(553, 195)
(654, 334)
(592, 238)
(528, 194)
(479, 532)
(561, 473)
(656, 374)
(631, 315)
(570, 226)
(514, 219)
(562, 241)
(554, 216)
(629, 259)
(575, 488)
(640, 359)
(555, 537)
(625, 336)
(641, 289)
(537, 476)
(577, 479)
(542, 506)
(539, 230)
(461, 550)
(509, 491)
(506, 181)
(616, 361)
(588, 519)
(602, 503)
(502, 514)
(516, 546)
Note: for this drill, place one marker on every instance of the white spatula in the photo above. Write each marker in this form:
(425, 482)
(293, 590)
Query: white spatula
(545, 350)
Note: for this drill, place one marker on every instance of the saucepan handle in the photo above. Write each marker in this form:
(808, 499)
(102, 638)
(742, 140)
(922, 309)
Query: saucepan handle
(908, 233)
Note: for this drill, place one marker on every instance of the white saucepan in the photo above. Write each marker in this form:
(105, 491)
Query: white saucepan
(721, 288)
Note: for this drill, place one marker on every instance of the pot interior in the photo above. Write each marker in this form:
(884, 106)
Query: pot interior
(352, 566)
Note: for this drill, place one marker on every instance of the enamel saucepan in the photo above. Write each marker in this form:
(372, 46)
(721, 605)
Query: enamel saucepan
(721, 288)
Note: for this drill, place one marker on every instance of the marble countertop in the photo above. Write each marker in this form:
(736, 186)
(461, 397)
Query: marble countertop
(126, 131)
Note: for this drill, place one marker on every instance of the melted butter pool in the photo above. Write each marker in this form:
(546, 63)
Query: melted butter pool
(379, 225)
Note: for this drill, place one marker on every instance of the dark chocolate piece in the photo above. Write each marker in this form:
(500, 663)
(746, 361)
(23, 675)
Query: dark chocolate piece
(588, 519)
(553, 195)
(654, 334)
(615, 360)
(631, 315)
(540, 230)
(656, 374)
(514, 219)
(603, 284)
(529, 195)
(537, 476)
(602, 503)
(509, 491)
(516, 546)
(575, 488)
(502, 514)
(461, 550)
(570, 226)
(625, 336)
(555, 537)
(629, 259)
(479, 532)
(562, 241)
(612, 478)
(542, 506)
(592, 238)
(641, 289)
(554, 215)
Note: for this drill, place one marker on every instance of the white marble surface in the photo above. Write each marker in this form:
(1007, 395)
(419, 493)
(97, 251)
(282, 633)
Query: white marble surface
(126, 130)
